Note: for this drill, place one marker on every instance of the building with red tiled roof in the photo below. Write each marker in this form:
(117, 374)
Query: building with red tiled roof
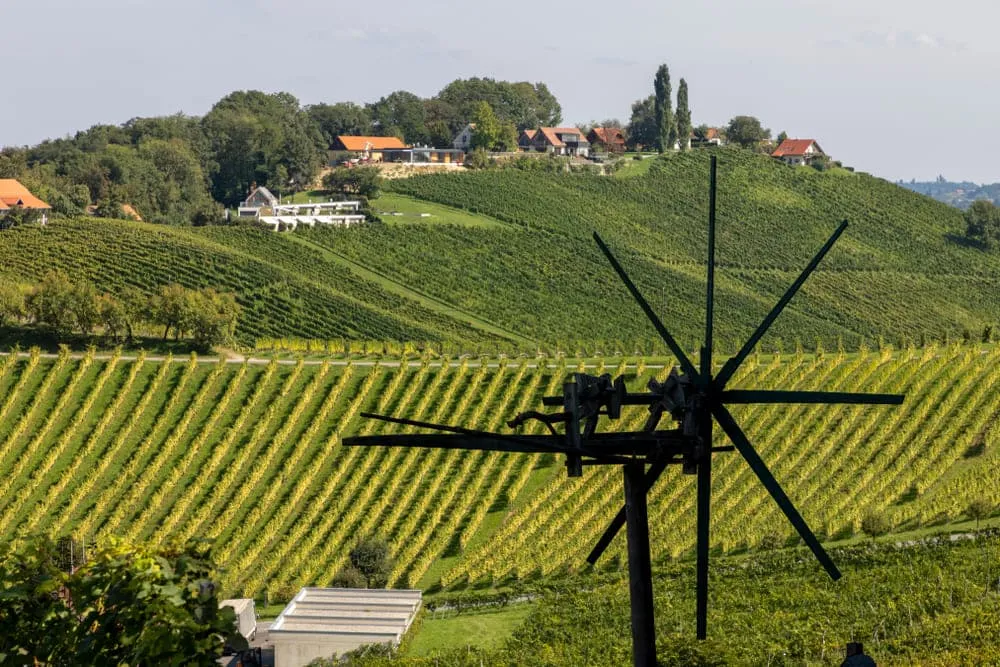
(13, 195)
(611, 139)
(560, 141)
(798, 151)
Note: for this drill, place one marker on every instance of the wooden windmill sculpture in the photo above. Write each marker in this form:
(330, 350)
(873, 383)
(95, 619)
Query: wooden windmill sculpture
(694, 398)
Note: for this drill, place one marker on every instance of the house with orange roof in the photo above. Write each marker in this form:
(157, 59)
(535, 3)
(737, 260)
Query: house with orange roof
(14, 196)
(798, 152)
(365, 148)
(610, 139)
(560, 141)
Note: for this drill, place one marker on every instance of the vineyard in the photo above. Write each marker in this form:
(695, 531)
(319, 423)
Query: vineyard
(901, 274)
(248, 455)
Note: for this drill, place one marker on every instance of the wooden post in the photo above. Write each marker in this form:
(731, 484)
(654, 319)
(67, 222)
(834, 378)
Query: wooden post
(640, 571)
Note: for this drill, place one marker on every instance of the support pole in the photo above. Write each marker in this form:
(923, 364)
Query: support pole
(640, 570)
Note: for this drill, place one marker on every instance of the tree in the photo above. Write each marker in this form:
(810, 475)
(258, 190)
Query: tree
(400, 110)
(781, 137)
(642, 126)
(363, 181)
(665, 126)
(124, 605)
(12, 302)
(210, 317)
(683, 116)
(113, 317)
(372, 559)
(978, 510)
(874, 524)
(486, 134)
(340, 118)
(350, 577)
(746, 131)
(982, 223)
(85, 307)
(256, 137)
(440, 134)
(168, 308)
(508, 138)
(524, 104)
(51, 303)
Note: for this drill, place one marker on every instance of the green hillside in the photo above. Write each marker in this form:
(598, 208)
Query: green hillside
(933, 603)
(248, 455)
(527, 273)
(285, 289)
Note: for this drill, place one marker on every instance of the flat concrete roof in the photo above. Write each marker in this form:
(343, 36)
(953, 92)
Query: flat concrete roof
(383, 614)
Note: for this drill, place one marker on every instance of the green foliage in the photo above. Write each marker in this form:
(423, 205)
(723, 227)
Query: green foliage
(124, 605)
(979, 509)
(523, 104)
(479, 159)
(874, 524)
(355, 181)
(746, 131)
(486, 134)
(372, 559)
(342, 118)
(284, 288)
(642, 128)
(666, 126)
(261, 138)
(982, 223)
(12, 302)
(401, 113)
(683, 116)
(350, 577)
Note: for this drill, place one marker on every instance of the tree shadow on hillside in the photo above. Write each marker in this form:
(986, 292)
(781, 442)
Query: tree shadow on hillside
(27, 337)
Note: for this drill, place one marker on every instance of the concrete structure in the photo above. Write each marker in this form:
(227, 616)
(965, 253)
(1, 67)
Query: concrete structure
(246, 615)
(322, 622)
(798, 152)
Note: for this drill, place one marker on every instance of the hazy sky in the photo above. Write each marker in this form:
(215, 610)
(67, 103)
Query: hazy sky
(900, 88)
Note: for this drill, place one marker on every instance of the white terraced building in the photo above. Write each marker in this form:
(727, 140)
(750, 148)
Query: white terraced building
(324, 213)
(322, 622)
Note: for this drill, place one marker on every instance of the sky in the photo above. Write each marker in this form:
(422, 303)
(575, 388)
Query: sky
(898, 88)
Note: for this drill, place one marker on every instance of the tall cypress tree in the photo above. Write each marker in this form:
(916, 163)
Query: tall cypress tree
(664, 116)
(683, 116)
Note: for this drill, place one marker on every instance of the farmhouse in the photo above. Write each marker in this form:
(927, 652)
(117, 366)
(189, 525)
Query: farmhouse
(560, 141)
(365, 148)
(712, 137)
(610, 139)
(798, 151)
(524, 141)
(321, 622)
(463, 140)
(13, 196)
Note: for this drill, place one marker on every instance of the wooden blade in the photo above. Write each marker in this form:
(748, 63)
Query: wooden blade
(682, 358)
(831, 397)
(735, 433)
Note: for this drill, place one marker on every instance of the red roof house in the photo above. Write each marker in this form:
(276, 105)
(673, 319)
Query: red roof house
(611, 139)
(560, 141)
(13, 195)
(798, 151)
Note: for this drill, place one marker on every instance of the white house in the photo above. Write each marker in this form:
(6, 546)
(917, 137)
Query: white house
(798, 152)
(463, 140)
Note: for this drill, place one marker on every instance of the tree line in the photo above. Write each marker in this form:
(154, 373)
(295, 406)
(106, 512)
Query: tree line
(65, 307)
(179, 169)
